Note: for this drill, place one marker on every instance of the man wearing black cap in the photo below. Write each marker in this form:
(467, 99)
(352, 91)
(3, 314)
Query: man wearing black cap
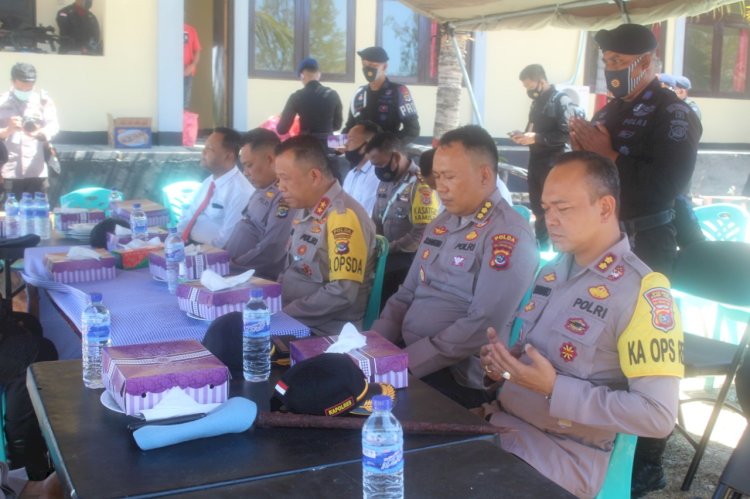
(79, 29)
(319, 107)
(652, 136)
(381, 101)
(28, 119)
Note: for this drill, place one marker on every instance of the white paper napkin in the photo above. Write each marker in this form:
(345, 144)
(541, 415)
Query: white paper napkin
(349, 339)
(137, 243)
(214, 282)
(193, 249)
(122, 231)
(82, 253)
(176, 403)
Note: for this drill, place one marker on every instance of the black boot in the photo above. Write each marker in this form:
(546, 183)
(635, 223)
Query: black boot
(648, 473)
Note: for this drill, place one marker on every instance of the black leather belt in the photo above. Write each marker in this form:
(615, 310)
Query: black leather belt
(639, 224)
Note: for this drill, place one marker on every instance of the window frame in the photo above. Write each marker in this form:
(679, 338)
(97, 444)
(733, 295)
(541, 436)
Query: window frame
(302, 44)
(718, 24)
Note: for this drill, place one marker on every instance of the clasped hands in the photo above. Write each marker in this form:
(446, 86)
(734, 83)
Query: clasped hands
(587, 136)
(499, 363)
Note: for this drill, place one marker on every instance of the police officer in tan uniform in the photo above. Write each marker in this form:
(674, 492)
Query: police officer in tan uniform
(600, 348)
(403, 207)
(328, 276)
(259, 241)
(470, 271)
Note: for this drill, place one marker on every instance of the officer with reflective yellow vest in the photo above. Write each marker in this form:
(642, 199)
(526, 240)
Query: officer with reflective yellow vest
(403, 207)
(600, 347)
(330, 261)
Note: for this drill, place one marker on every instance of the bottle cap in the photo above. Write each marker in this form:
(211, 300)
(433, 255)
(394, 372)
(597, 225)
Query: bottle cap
(381, 403)
(95, 296)
(256, 293)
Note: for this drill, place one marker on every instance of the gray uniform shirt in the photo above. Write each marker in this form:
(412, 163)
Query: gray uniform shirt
(330, 264)
(468, 274)
(608, 319)
(403, 209)
(259, 241)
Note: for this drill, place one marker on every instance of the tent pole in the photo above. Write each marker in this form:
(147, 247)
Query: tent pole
(469, 87)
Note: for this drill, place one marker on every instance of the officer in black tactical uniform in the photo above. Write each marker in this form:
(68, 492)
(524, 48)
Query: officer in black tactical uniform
(79, 29)
(382, 101)
(652, 136)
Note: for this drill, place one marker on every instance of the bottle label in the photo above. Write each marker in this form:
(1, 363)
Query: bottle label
(257, 328)
(383, 459)
(97, 332)
(176, 255)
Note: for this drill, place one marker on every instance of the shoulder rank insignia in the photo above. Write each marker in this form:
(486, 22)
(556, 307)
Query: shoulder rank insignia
(606, 262)
(484, 210)
(321, 207)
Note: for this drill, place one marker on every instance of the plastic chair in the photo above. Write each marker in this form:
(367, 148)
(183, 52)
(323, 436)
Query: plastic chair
(524, 211)
(373, 304)
(90, 198)
(177, 195)
(722, 222)
(11, 250)
(3, 438)
(716, 271)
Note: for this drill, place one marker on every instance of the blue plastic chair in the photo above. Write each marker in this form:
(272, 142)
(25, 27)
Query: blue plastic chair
(722, 222)
(90, 198)
(373, 303)
(177, 195)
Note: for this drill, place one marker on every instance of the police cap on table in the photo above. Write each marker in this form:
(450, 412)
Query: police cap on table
(629, 39)
(374, 54)
(23, 71)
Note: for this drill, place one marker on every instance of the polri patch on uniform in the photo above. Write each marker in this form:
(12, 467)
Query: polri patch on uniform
(660, 301)
(502, 249)
(439, 230)
(321, 207)
(282, 211)
(577, 325)
(599, 292)
(426, 254)
(568, 351)
(616, 273)
(342, 236)
(529, 306)
(606, 261)
(678, 133)
(551, 277)
(471, 235)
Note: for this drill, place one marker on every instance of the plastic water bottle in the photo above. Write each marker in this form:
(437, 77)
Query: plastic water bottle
(95, 329)
(41, 215)
(12, 223)
(382, 453)
(115, 197)
(139, 223)
(174, 254)
(26, 214)
(256, 338)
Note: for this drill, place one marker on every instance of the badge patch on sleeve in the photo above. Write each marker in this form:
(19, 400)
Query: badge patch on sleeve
(652, 343)
(502, 249)
(347, 250)
(424, 206)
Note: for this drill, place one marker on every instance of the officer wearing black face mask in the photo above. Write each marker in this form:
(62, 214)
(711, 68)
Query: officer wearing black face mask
(79, 29)
(404, 206)
(382, 101)
(546, 135)
(361, 182)
(652, 136)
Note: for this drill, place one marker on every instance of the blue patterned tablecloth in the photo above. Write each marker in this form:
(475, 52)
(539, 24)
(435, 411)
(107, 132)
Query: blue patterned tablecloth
(141, 308)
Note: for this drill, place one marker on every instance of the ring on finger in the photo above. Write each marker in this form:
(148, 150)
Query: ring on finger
(487, 369)
(506, 375)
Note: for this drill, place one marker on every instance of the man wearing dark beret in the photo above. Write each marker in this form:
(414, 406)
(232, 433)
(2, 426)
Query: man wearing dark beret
(652, 136)
(382, 101)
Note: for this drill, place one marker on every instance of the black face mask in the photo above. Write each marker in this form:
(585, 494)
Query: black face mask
(386, 173)
(534, 93)
(354, 157)
(370, 73)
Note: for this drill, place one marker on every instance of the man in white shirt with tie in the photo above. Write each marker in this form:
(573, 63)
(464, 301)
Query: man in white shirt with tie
(361, 182)
(218, 204)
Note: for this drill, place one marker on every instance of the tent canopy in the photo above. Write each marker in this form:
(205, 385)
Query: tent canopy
(486, 15)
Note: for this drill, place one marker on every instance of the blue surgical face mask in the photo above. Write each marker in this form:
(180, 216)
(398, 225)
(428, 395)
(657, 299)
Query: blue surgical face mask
(22, 95)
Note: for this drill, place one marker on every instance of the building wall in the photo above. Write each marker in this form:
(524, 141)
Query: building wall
(121, 82)
(267, 97)
(199, 13)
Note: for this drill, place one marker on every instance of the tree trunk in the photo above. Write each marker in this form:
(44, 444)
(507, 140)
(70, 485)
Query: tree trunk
(448, 99)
